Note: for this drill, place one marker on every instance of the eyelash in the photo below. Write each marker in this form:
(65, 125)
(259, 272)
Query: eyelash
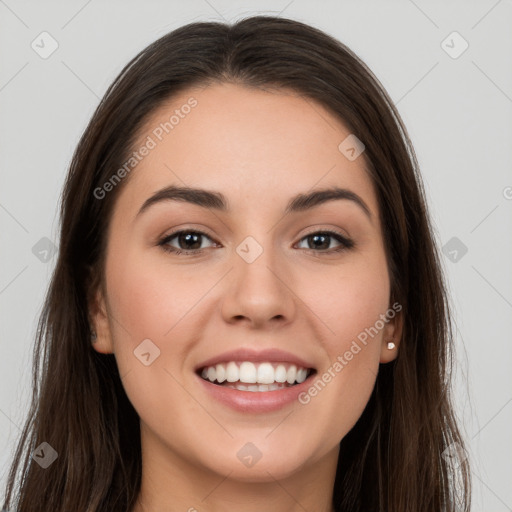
(346, 243)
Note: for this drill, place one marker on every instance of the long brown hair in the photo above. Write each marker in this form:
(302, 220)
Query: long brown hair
(396, 456)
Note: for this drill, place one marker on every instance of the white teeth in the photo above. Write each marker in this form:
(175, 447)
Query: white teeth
(247, 373)
(280, 374)
(265, 373)
(260, 387)
(264, 376)
(302, 373)
(290, 374)
(232, 372)
(220, 372)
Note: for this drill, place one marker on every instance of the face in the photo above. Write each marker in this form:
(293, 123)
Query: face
(307, 285)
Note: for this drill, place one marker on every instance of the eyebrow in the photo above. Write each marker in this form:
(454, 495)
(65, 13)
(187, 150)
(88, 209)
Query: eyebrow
(217, 201)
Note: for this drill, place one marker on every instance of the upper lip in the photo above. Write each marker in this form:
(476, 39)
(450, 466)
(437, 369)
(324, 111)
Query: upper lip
(255, 356)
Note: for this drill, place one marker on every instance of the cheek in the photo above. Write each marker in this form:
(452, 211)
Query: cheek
(149, 297)
(349, 304)
(350, 300)
(150, 308)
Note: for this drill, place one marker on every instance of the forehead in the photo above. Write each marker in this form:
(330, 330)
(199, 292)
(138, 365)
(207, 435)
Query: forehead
(249, 143)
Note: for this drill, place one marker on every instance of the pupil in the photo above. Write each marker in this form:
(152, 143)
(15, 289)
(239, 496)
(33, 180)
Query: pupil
(316, 237)
(187, 238)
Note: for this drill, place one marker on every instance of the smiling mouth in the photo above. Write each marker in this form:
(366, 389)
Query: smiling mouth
(256, 377)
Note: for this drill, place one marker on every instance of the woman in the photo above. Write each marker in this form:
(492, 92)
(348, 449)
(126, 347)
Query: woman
(203, 345)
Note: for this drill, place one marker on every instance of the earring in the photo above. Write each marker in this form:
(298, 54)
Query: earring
(93, 336)
(391, 345)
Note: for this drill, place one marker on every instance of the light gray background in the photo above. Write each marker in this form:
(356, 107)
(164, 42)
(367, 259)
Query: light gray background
(457, 111)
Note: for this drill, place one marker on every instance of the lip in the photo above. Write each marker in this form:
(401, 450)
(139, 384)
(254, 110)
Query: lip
(255, 402)
(272, 355)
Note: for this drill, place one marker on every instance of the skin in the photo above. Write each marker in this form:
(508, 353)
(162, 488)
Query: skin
(259, 148)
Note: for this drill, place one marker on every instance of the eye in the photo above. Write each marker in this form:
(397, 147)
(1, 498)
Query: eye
(189, 242)
(188, 239)
(321, 240)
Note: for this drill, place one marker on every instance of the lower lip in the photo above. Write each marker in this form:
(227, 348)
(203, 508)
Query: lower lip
(256, 401)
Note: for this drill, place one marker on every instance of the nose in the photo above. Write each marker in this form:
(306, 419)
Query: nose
(259, 293)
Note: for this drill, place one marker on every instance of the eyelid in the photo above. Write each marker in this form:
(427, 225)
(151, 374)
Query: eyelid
(342, 233)
(188, 228)
(163, 240)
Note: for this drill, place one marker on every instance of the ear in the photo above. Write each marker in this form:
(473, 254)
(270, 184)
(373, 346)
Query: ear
(98, 318)
(392, 333)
